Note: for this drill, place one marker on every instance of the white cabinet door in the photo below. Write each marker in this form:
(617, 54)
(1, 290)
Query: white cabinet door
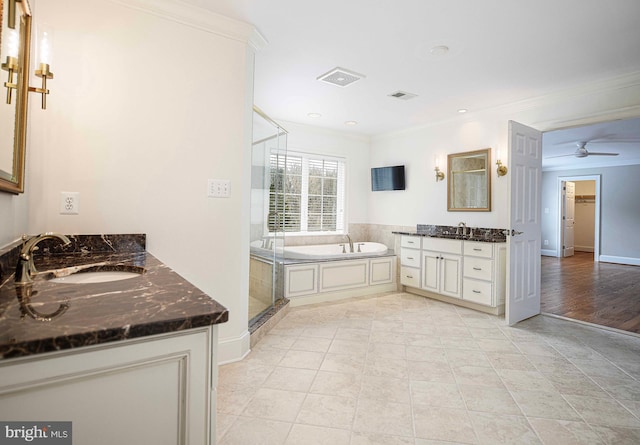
(442, 273)
(430, 271)
(451, 275)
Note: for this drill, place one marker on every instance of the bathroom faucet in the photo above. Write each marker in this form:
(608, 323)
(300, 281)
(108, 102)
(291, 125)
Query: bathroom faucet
(464, 228)
(350, 243)
(25, 270)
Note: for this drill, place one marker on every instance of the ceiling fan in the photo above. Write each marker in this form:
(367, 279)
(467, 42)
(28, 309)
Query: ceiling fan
(582, 152)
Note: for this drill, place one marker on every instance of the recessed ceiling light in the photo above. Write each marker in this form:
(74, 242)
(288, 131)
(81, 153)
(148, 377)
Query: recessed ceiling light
(351, 123)
(462, 110)
(439, 50)
(314, 115)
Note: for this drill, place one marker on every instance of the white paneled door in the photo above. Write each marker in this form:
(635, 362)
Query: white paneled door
(568, 217)
(525, 175)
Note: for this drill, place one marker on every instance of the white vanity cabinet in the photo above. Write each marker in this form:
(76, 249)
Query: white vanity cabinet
(148, 390)
(410, 260)
(442, 266)
(469, 273)
(484, 273)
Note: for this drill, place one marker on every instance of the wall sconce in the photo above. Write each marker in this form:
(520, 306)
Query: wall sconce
(44, 56)
(502, 169)
(439, 174)
(11, 65)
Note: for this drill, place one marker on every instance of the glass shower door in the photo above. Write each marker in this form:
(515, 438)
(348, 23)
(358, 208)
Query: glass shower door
(266, 285)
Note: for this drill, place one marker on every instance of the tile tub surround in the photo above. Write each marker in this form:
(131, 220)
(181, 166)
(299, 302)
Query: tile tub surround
(158, 301)
(480, 234)
(402, 369)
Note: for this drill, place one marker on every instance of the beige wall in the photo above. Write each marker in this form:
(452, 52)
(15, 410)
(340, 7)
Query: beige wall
(143, 110)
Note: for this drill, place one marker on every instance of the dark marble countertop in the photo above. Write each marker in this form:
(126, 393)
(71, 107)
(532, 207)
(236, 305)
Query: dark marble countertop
(480, 239)
(483, 235)
(47, 316)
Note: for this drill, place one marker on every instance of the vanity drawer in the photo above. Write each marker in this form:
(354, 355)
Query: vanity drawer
(478, 268)
(410, 276)
(410, 257)
(474, 248)
(442, 245)
(412, 242)
(476, 291)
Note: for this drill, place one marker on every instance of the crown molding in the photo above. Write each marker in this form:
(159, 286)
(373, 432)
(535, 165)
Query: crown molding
(199, 18)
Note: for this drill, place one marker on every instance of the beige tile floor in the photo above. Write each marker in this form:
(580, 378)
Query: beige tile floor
(402, 369)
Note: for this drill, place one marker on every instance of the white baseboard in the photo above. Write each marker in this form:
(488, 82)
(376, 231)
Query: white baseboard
(583, 248)
(620, 260)
(233, 349)
(548, 252)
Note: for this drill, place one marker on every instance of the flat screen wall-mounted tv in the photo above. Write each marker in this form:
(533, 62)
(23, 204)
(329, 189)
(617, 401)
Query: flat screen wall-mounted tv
(387, 178)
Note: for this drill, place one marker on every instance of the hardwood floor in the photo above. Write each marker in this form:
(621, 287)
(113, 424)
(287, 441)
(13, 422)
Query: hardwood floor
(601, 293)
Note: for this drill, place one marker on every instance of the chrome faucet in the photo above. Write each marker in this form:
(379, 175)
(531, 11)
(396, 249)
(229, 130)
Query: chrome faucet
(25, 270)
(350, 243)
(464, 228)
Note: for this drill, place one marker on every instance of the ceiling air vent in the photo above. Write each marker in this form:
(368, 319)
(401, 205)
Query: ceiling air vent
(403, 95)
(340, 77)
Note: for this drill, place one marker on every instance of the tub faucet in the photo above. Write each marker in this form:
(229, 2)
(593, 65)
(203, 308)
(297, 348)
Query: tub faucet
(25, 270)
(350, 243)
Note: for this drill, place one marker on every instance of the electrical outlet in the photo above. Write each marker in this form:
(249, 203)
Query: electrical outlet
(69, 203)
(546, 242)
(218, 188)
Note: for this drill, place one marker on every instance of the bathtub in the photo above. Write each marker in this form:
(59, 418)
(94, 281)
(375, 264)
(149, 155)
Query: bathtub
(333, 251)
(319, 273)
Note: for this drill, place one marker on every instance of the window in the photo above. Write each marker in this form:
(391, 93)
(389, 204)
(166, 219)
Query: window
(306, 193)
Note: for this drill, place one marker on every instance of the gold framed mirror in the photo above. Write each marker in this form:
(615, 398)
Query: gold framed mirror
(469, 181)
(15, 42)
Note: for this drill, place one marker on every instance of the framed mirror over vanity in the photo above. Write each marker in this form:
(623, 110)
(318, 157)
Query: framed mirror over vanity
(469, 181)
(15, 41)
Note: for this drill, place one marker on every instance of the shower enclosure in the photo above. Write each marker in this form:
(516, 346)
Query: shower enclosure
(268, 156)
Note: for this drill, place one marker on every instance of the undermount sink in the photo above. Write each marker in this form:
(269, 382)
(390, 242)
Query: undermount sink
(94, 273)
(102, 276)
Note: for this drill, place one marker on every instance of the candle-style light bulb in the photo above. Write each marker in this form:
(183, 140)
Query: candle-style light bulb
(11, 49)
(44, 57)
(13, 43)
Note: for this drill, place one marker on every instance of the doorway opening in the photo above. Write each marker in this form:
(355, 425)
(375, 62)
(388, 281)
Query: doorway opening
(578, 227)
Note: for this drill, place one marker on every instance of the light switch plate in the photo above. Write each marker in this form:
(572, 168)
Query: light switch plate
(218, 188)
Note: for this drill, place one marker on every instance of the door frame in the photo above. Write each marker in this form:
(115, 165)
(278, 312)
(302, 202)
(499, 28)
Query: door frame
(596, 229)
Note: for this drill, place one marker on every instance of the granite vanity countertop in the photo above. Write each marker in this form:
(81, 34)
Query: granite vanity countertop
(47, 316)
(448, 232)
(460, 237)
